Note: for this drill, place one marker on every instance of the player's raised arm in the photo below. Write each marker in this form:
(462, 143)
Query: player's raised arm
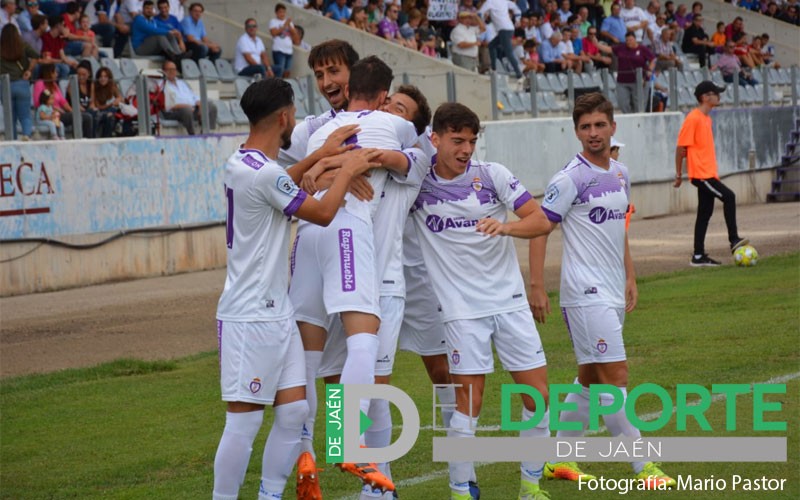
(334, 145)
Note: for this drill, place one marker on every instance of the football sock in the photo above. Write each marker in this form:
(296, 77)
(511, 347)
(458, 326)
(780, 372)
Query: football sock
(461, 426)
(233, 452)
(446, 395)
(379, 434)
(313, 360)
(359, 366)
(580, 415)
(282, 448)
(618, 423)
(532, 471)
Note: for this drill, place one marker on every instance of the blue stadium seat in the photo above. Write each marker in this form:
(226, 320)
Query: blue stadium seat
(224, 115)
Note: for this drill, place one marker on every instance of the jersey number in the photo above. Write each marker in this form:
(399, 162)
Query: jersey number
(229, 218)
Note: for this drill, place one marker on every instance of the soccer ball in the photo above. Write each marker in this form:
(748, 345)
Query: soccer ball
(745, 256)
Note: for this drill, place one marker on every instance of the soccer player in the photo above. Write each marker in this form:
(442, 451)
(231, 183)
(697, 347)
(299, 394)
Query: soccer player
(261, 355)
(336, 268)
(462, 203)
(589, 198)
(696, 144)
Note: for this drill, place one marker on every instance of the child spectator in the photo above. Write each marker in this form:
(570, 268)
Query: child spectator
(301, 34)
(84, 29)
(428, 46)
(718, 38)
(283, 34)
(49, 116)
(48, 82)
(531, 59)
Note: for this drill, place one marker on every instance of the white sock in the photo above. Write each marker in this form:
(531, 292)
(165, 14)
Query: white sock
(313, 360)
(461, 426)
(282, 448)
(532, 471)
(446, 395)
(581, 415)
(359, 366)
(233, 452)
(379, 434)
(618, 423)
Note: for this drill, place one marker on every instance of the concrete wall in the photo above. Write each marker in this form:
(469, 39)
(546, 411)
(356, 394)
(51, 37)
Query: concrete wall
(225, 22)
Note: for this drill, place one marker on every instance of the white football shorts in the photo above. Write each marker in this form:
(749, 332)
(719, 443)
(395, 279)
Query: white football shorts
(596, 333)
(422, 331)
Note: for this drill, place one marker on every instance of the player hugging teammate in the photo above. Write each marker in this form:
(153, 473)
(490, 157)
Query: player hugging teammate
(376, 263)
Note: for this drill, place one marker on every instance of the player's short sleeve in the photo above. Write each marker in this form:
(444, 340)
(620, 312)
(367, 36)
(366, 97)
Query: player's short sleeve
(275, 186)
(297, 150)
(406, 133)
(418, 166)
(687, 133)
(558, 197)
(509, 189)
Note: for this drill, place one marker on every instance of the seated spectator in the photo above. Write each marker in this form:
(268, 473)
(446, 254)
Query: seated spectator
(34, 36)
(251, 55)
(170, 22)
(768, 51)
(682, 17)
(735, 30)
(772, 10)
(542, 30)
(599, 53)
(106, 101)
(48, 82)
(85, 30)
(790, 15)
(695, 41)
(301, 34)
(8, 13)
(389, 29)
(338, 11)
(697, 10)
(358, 19)
(754, 51)
(575, 61)
(151, 38)
(102, 20)
(194, 33)
(729, 65)
(49, 116)
(742, 51)
(409, 29)
(283, 36)
(375, 10)
(17, 60)
(181, 103)
(531, 60)
(583, 21)
(665, 52)
(53, 43)
(77, 45)
(564, 12)
(631, 56)
(551, 55)
(316, 7)
(123, 21)
(427, 46)
(464, 40)
(85, 96)
(652, 16)
(719, 38)
(613, 28)
(669, 13)
(754, 5)
(24, 18)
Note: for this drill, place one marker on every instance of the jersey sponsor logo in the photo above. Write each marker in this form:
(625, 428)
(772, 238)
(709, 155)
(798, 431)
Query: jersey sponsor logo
(590, 290)
(347, 260)
(252, 162)
(516, 296)
(551, 195)
(438, 224)
(477, 185)
(285, 184)
(599, 215)
(456, 357)
(602, 347)
(514, 183)
(255, 385)
(269, 304)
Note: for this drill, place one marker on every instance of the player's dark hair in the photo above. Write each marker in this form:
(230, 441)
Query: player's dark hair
(369, 77)
(332, 52)
(264, 97)
(148, 3)
(423, 115)
(55, 20)
(590, 103)
(454, 117)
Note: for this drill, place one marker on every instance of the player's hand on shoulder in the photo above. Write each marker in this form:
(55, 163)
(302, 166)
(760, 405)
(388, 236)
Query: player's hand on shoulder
(491, 227)
(361, 188)
(334, 144)
(540, 303)
(359, 161)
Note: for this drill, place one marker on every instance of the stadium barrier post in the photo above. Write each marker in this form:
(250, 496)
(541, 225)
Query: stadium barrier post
(205, 124)
(570, 90)
(451, 86)
(735, 93)
(673, 89)
(639, 90)
(706, 73)
(310, 92)
(533, 83)
(494, 95)
(604, 79)
(8, 115)
(77, 118)
(794, 85)
(765, 79)
(141, 104)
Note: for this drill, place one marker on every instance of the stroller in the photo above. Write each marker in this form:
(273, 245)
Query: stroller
(128, 115)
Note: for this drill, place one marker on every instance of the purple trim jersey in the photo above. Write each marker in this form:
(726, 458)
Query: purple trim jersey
(261, 199)
(473, 275)
(590, 203)
(300, 135)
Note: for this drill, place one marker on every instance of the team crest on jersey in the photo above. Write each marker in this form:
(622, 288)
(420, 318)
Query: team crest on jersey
(513, 183)
(602, 347)
(285, 184)
(621, 179)
(551, 195)
(477, 185)
(456, 357)
(255, 385)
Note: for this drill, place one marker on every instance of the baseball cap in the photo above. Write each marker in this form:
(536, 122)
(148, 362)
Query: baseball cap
(616, 144)
(705, 87)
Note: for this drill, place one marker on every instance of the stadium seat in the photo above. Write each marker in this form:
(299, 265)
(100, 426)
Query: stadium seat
(542, 83)
(189, 70)
(225, 70)
(111, 64)
(555, 83)
(128, 67)
(552, 103)
(224, 115)
(208, 70)
(238, 114)
(241, 83)
(525, 99)
(541, 104)
(299, 95)
(513, 99)
(685, 97)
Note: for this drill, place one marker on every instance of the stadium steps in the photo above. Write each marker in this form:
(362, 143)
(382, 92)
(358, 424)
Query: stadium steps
(786, 186)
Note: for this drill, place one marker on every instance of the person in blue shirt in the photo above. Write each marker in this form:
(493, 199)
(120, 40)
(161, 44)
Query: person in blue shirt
(151, 38)
(169, 21)
(194, 34)
(338, 11)
(613, 29)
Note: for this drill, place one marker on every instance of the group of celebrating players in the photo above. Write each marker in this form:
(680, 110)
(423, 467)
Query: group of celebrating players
(403, 240)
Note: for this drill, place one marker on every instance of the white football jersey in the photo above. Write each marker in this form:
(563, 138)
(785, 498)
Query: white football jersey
(412, 253)
(473, 275)
(378, 130)
(261, 199)
(590, 203)
(398, 195)
(302, 131)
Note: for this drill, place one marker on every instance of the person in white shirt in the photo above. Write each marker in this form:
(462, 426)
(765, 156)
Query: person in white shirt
(635, 19)
(504, 27)
(464, 38)
(564, 13)
(590, 198)
(284, 36)
(652, 15)
(251, 55)
(181, 103)
(260, 351)
(8, 13)
(461, 220)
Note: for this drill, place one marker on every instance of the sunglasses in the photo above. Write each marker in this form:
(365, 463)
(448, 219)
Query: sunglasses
(248, 26)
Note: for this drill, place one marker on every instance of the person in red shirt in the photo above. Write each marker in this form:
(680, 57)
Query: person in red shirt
(76, 45)
(54, 43)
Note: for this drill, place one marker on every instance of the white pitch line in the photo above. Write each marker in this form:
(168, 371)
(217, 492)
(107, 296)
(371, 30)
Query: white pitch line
(647, 417)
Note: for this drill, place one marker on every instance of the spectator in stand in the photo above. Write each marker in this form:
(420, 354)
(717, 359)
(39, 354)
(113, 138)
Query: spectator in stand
(428, 45)
(283, 37)
(790, 15)
(669, 12)
(338, 11)
(195, 36)
(301, 34)
(24, 18)
(682, 17)
(85, 30)
(635, 20)
(123, 20)
(316, 7)
(651, 13)
(85, 96)
(583, 20)
(17, 60)
(8, 13)
(53, 44)
(754, 5)
(531, 60)
(564, 12)
(594, 12)
(630, 57)
(697, 10)
(768, 51)
(48, 81)
(77, 45)
(101, 17)
(695, 41)
(542, 29)
(34, 36)
(181, 103)
(606, 6)
(772, 10)
(251, 56)
(735, 31)
(501, 21)
(48, 116)
(567, 49)
(151, 38)
(375, 10)
(551, 55)
(665, 51)
(730, 66)
(389, 29)
(177, 10)
(613, 28)
(358, 20)
(754, 51)
(599, 53)
(106, 101)
(170, 22)
(719, 38)
(410, 28)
